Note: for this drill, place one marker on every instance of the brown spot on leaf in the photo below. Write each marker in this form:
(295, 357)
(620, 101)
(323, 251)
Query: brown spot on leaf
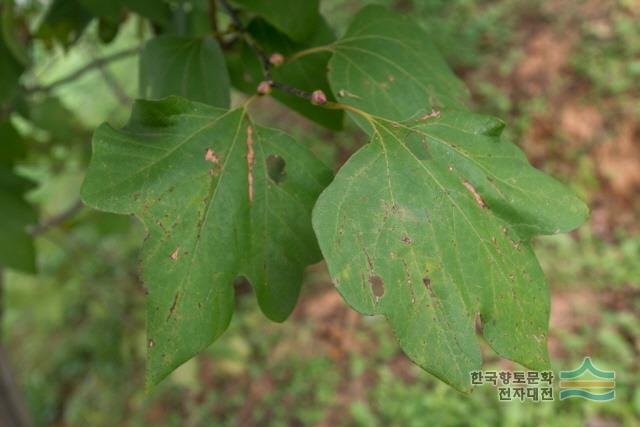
(427, 284)
(211, 156)
(175, 254)
(475, 194)
(250, 160)
(431, 115)
(377, 286)
(172, 309)
(406, 239)
(152, 343)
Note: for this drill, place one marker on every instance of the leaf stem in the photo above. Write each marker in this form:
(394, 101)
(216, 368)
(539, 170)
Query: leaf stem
(265, 61)
(346, 107)
(237, 22)
(310, 51)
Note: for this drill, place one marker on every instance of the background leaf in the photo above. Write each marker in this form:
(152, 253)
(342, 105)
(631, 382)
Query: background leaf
(16, 245)
(64, 22)
(10, 71)
(204, 183)
(297, 19)
(186, 66)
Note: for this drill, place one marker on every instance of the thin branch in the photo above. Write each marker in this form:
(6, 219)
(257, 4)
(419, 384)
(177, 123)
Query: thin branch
(237, 22)
(265, 61)
(114, 85)
(292, 90)
(57, 219)
(100, 62)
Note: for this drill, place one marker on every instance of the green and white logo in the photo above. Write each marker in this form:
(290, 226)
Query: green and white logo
(595, 384)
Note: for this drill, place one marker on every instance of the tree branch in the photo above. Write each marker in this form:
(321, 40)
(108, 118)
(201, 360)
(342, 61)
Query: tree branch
(292, 90)
(265, 62)
(117, 90)
(56, 219)
(237, 22)
(100, 62)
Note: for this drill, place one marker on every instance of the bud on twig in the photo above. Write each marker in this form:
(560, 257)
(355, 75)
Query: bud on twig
(276, 59)
(318, 97)
(264, 88)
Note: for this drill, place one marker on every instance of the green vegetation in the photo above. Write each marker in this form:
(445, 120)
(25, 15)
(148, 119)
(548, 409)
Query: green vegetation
(75, 332)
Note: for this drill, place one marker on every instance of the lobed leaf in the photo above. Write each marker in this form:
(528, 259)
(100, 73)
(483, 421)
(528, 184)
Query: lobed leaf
(430, 223)
(221, 197)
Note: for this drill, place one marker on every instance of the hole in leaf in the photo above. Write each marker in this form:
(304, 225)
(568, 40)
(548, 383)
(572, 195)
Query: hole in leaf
(377, 286)
(276, 168)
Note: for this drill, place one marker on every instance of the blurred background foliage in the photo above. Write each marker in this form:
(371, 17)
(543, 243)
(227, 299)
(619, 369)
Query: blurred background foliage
(564, 75)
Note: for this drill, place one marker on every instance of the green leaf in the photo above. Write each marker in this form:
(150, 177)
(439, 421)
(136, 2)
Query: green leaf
(10, 71)
(297, 19)
(110, 15)
(110, 10)
(430, 225)
(11, 145)
(190, 18)
(11, 26)
(185, 66)
(307, 73)
(52, 116)
(386, 65)
(157, 11)
(64, 22)
(16, 245)
(220, 197)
